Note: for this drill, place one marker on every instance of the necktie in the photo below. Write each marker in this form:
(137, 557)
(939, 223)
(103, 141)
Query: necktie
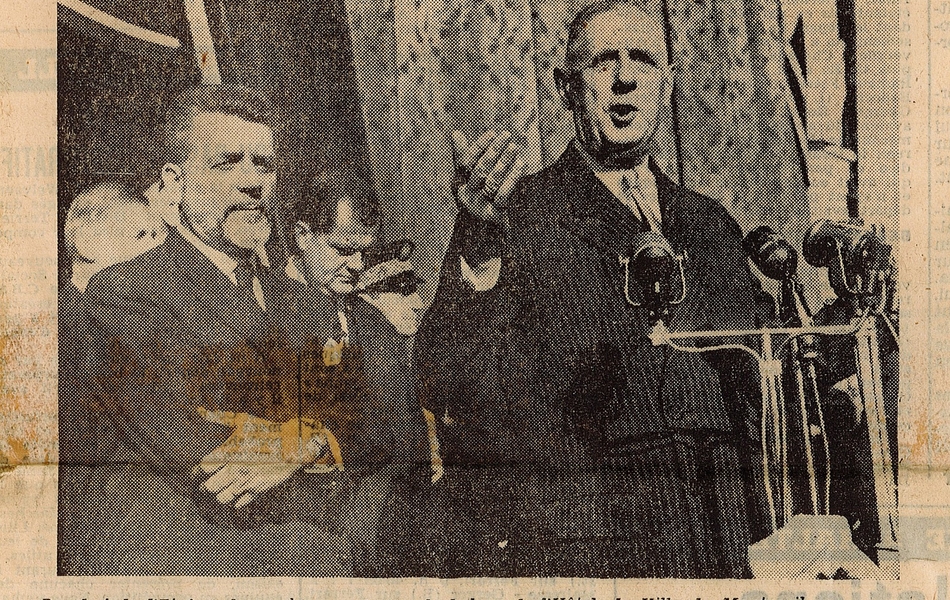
(244, 273)
(336, 344)
(630, 185)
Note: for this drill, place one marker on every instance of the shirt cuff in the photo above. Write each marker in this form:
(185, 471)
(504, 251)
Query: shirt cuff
(484, 276)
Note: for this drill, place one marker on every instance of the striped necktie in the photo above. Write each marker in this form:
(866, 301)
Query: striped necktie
(630, 185)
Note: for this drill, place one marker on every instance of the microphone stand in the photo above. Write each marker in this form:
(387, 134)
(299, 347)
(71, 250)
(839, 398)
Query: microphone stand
(770, 373)
(863, 327)
(861, 270)
(803, 351)
(868, 359)
(857, 272)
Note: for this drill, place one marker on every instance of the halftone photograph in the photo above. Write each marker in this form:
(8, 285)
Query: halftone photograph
(478, 289)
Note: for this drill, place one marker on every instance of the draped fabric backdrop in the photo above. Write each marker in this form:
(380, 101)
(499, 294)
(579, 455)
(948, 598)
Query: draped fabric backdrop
(426, 67)
(411, 71)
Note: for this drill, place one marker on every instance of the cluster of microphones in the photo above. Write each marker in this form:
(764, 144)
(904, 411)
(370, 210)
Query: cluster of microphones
(862, 272)
(859, 261)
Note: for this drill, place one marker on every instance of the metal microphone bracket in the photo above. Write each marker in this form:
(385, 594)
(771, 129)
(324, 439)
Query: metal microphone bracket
(770, 369)
(625, 262)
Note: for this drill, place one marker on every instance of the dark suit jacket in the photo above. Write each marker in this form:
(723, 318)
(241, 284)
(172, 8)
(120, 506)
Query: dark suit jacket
(574, 446)
(77, 432)
(385, 521)
(169, 335)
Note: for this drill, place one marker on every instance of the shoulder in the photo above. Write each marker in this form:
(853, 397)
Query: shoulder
(699, 212)
(554, 176)
(131, 278)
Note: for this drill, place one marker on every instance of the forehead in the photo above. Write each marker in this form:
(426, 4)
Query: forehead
(218, 133)
(348, 231)
(624, 27)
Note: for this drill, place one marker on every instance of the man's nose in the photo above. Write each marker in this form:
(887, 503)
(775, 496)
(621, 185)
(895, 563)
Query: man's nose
(625, 78)
(250, 180)
(355, 262)
(254, 191)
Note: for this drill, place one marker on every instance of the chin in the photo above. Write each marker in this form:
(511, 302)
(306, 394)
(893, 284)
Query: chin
(249, 239)
(406, 327)
(342, 288)
(248, 233)
(624, 139)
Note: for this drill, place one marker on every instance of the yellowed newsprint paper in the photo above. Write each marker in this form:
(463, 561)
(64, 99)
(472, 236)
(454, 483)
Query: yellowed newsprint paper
(474, 299)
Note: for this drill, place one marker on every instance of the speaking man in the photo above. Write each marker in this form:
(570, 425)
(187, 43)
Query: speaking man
(207, 464)
(572, 446)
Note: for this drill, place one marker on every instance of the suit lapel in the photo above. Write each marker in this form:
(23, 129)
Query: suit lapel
(213, 290)
(593, 214)
(283, 299)
(681, 226)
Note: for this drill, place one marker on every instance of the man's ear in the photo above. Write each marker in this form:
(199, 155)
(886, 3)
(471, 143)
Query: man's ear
(165, 195)
(171, 175)
(565, 88)
(301, 230)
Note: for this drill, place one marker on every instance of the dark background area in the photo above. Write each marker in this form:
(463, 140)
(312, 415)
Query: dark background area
(112, 88)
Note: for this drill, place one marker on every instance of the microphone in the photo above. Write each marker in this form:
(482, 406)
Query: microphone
(650, 267)
(772, 255)
(853, 252)
(777, 259)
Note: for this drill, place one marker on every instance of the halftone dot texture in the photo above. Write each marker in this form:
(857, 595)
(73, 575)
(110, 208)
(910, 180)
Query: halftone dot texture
(380, 86)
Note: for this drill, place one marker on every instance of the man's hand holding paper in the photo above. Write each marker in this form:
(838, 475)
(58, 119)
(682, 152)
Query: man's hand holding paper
(260, 455)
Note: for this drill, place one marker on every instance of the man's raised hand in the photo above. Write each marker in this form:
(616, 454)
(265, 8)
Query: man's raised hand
(486, 172)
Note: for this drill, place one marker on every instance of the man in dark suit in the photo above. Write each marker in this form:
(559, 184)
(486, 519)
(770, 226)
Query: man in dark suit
(208, 461)
(106, 223)
(572, 445)
(333, 233)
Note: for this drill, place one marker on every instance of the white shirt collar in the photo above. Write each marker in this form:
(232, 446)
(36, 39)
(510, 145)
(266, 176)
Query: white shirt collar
(221, 260)
(611, 180)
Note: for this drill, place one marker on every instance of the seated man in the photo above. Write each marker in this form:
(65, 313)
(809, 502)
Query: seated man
(203, 454)
(572, 446)
(107, 223)
(374, 410)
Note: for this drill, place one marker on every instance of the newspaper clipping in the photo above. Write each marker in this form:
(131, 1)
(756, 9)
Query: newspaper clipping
(475, 299)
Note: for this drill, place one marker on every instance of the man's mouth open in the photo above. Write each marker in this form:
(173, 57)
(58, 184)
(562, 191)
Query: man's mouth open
(622, 114)
(248, 212)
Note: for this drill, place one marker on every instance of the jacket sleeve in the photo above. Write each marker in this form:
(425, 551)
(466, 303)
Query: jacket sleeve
(468, 349)
(140, 379)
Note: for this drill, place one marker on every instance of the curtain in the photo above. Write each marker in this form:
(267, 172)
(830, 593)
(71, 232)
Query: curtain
(426, 67)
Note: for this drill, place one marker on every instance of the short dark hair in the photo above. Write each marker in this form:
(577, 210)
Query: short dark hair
(246, 103)
(583, 18)
(318, 204)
